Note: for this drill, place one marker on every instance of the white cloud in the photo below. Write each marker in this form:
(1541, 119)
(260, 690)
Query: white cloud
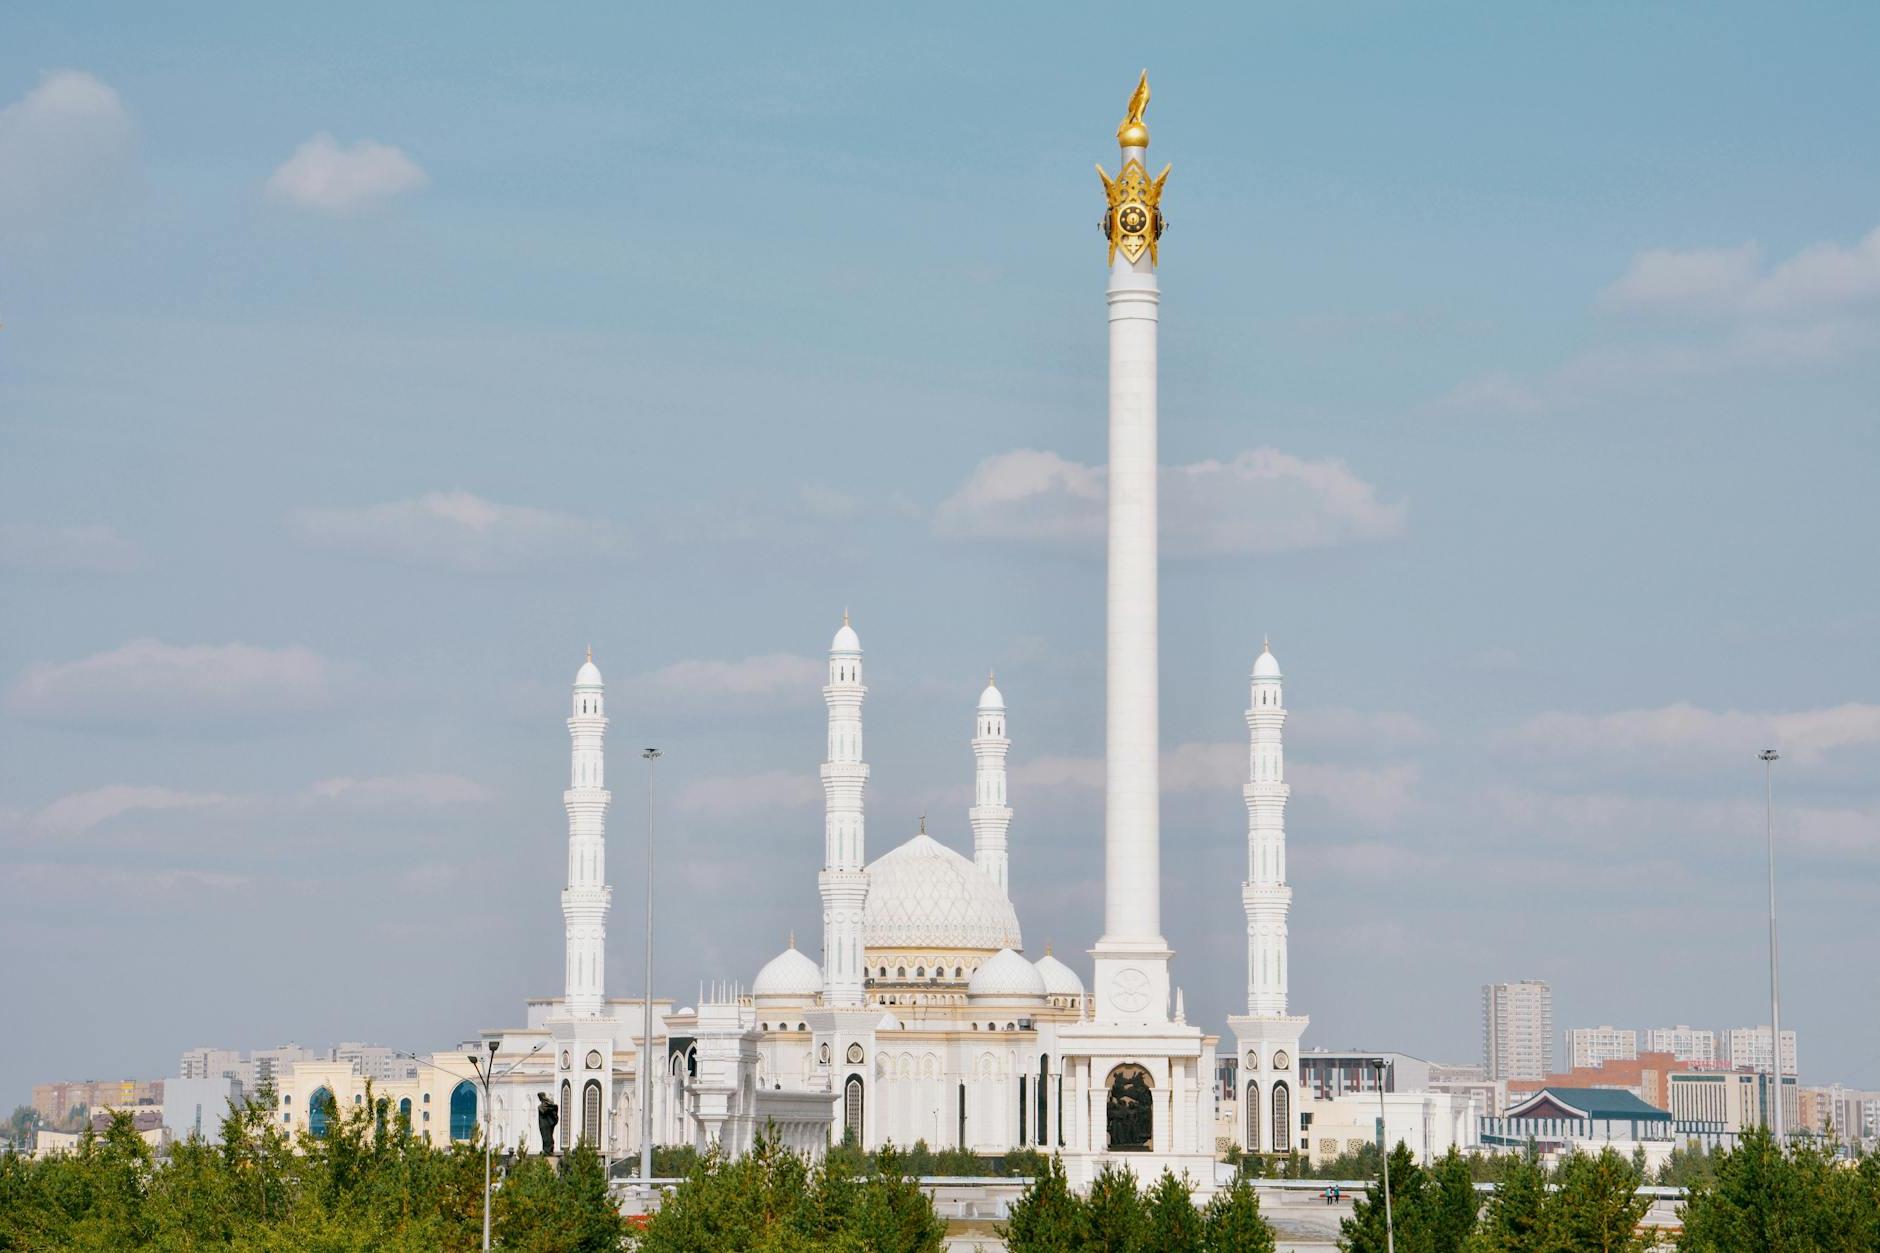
(1371, 795)
(1494, 393)
(324, 177)
(63, 148)
(83, 811)
(1334, 725)
(1375, 796)
(741, 795)
(1703, 280)
(456, 531)
(405, 791)
(65, 549)
(1686, 731)
(771, 675)
(1728, 313)
(148, 682)
(1261, 501)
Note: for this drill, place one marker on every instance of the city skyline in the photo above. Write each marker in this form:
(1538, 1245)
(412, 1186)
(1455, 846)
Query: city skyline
(339, 423)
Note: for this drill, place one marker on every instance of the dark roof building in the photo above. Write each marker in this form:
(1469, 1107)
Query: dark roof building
(1562, 1117)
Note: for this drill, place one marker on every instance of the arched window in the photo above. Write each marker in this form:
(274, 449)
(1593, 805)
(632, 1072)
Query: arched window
(1282, 1119)
(1253, 1117)
(562, 1131)
(404, 1109)
(591, 1113)
(1131, 1116)
(852, 1111)
(463, 1110)
(920, 972)
(320, 1107)
(900, 972)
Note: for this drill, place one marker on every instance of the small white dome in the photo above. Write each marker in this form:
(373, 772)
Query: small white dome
(589, 675)
(846, 640)
(1267, 665)
(788, 975)
(1007, 976)
(1059, 979)
(925, 895)
(992, 697)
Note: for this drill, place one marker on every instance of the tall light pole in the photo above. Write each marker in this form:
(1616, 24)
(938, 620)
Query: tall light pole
(646, 1049)
(1769, 757)
(1383, 1138)
(485, 1074)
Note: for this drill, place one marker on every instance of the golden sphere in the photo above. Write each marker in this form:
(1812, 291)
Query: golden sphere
(1132, 135)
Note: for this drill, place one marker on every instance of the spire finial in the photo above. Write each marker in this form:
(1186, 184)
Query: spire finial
(1266, 643)
(1047, 948)
(590, 652)
(792, 937)
(845, 615)
(923, 824)
(992, 677)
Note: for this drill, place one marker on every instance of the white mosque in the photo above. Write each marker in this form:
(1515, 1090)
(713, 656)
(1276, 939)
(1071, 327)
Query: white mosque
(924, 1019)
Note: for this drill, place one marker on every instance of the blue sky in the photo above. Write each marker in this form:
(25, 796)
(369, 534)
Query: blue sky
(360, 367)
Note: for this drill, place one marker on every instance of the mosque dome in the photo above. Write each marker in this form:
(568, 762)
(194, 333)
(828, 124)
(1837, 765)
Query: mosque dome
(1267, 665)
(1007, 976)
(924, 895)
(846, 640)
(789, 975)
(589, 675)
(1059, 979)
(992, 697)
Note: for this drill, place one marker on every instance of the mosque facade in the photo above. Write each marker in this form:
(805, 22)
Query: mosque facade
(923, 1018)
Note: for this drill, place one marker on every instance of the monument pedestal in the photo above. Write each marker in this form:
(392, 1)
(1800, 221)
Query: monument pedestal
(1271, 1100)
(1110, 1070)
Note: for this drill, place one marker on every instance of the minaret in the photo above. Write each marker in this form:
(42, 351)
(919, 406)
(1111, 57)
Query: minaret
(1132, 957)
(585, 900)
(990, 815)
(1265, 895)
(843, 881)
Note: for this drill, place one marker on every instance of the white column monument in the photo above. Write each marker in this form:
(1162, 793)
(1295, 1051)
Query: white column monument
(990, 816)
(1145, 1077)
(1267, 1037)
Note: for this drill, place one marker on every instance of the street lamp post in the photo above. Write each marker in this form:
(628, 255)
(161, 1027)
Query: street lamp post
(1769, 757)
(1383, 1139)
(652, 756)
(484, 1078)
(485, 1074)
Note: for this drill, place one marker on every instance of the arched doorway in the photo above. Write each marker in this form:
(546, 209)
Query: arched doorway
(463, 1110)
(1282, 1119)
(852, 1110)
(1253, 1117)
(591, 1113)
(1131, 1110)
(320, 1107)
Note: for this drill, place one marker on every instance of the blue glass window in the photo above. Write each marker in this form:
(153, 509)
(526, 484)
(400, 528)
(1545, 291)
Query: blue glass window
(463, 1110)
(319, 1106)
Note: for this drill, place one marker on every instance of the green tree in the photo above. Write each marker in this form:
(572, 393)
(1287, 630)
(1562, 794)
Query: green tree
(892, 1214)
(1047, 1217)
(1767, 1199)
(1115, 1212)
(1516, 1218)
(1451, 1205)
(1364, 1231)
(1172, 1224)
(1596, 1205)
(1232, 1222)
